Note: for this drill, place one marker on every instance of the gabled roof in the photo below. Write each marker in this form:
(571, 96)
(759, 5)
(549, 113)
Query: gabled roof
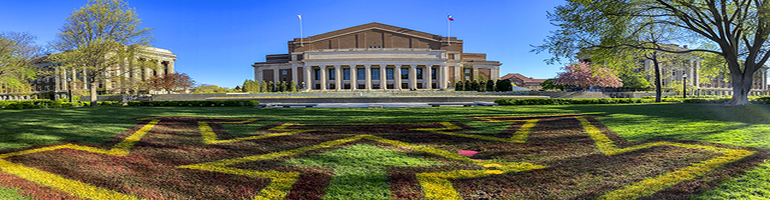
(522, 77)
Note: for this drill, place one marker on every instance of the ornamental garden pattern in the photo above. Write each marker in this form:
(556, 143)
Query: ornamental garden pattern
(570, 156)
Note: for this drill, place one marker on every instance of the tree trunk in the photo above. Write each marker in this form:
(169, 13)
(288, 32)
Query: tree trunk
(658, 89)
(92, 89)
(741, 88)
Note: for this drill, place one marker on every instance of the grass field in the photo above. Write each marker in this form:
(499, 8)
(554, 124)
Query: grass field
(743, 126)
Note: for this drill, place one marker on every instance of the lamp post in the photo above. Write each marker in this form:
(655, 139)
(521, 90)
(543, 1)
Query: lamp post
(69, 84)
(684, 85)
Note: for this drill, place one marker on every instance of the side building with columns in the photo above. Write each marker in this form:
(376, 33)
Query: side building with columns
(375, 57)
(122, 79)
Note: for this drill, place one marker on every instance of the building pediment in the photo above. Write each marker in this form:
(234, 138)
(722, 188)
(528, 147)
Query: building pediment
(374, 35)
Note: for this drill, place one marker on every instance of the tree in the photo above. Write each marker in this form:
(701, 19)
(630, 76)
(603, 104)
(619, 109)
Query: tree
(505, 85)
(293, 86)
(549, 85)
(246, 87)
(170, 82)
(580, 74)
(459, 86)
(270, 86)
(737, 30)
(263, 87)
(98, 37)
(17, 54)
(490, 85)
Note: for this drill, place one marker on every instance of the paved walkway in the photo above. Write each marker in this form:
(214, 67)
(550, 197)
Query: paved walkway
(364, 105)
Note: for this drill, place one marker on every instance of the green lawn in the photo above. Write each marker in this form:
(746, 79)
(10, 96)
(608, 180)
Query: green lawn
(747, 126)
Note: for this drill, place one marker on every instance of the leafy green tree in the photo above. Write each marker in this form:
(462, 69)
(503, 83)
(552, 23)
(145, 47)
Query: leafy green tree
(99, 36)
(548, 85)
(737, 30)
(293, 86)
(459, 86)
(263, 87)
(17, 54)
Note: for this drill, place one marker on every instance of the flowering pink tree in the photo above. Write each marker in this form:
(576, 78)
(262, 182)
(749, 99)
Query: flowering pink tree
(580, 74)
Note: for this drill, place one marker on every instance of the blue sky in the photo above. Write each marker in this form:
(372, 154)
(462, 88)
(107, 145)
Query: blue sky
(217, 41)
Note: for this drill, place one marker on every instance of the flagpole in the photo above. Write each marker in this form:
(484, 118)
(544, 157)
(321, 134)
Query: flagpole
(448, 38)
(300, 29)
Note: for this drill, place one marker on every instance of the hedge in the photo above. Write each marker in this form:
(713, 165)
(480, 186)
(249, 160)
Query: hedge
(230, 103)
(46, 103)
(39, 103)
(760, 100)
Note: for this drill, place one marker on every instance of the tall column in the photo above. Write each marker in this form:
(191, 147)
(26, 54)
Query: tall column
(413, 77)
(368, 71)
(171, 67)
(258, 74)
(308, 83)
(276, 75)
(353, 77)
(397, 76)
(459, 73)
(383, 77)
(443, 77)
(294, 74)
(429, 79)
(475, 73)
(323, 77)
(63, 79)
(337, 78)
(57, 80)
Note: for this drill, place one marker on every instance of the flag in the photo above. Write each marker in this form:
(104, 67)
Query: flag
(449, 17)
(299, 16)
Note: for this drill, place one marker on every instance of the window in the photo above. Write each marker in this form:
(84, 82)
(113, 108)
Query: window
(467, 78)
(432, 73)
(284, 72)
(360, 73)
(404, 73)
(317, 73)
(467, 71)
(346, 74)
(331, 74)
(389, 73)
(375, 73)
(419, 73)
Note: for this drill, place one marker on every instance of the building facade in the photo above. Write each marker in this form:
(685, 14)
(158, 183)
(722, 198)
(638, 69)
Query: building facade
(375, 57)
(687, 71)
(121, 79)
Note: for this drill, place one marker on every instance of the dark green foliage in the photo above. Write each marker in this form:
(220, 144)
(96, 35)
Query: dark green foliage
(548, 85)
(270, 86)
(459, 86)
(490, 85)
(504, 85)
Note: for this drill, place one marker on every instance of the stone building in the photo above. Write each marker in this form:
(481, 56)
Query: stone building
(375, 56)
(676, 72)
(120, 79)
(524, 82)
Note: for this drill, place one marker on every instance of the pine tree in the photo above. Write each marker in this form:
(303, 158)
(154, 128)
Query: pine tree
(490, 85)
(254, 86)
(293, 86)
(246, 85)
(270, 86)
(459, 86)
(263, 87)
